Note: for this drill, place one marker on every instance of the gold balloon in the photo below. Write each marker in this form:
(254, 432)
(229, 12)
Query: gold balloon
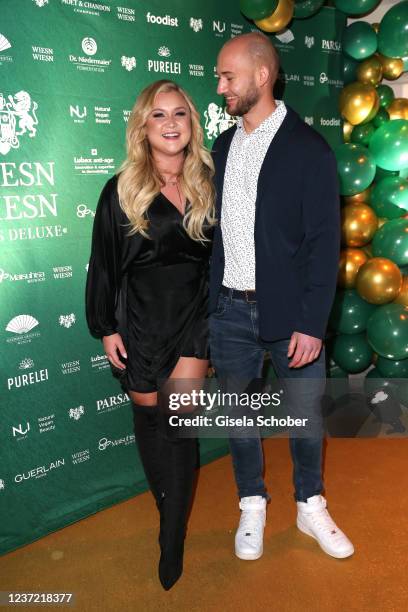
(398, 109)
(279, 19)
(347, 129)
(392, 67)
(363, 196)
(350, 262)
(376, 27)
(370, 71)
(358, 224)
(368, 250)
(402, 297)
(359, 102)
(379, 280)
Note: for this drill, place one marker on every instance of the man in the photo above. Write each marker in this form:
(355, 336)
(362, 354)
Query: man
(273, 273)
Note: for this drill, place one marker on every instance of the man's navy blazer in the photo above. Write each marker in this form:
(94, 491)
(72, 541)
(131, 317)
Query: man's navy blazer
(297, 231)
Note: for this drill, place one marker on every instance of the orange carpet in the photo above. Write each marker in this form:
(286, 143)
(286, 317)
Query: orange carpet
(109, 559)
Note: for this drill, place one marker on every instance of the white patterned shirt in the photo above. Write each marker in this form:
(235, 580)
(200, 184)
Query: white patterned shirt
(245, 158)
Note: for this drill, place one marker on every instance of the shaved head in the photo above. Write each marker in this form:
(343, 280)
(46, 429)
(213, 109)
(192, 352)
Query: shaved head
(247, 68)
(258, 49)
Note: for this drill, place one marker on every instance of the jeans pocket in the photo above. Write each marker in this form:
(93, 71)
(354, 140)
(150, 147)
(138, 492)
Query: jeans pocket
(221, 305)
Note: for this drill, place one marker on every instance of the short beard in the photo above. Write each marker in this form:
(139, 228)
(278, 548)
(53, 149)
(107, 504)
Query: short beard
(247, 102)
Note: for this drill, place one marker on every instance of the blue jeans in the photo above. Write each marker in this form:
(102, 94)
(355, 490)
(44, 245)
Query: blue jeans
(237, 351)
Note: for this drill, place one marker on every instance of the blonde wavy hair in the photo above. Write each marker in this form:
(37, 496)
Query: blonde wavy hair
(139, 180)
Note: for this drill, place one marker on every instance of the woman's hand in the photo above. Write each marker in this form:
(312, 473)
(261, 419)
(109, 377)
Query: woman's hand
(113, 345)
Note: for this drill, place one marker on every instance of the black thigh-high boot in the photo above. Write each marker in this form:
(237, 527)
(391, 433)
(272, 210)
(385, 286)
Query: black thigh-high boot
(179, 461)
(145, 420)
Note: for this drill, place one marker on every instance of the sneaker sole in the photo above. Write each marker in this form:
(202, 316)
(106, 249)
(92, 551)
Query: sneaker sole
(249, 556)
(306, 531)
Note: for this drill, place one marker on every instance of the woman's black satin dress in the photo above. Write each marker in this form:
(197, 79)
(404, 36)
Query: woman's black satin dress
(153, 291)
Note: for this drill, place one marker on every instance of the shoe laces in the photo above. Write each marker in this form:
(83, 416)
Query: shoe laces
(321, 519)
(252, 522)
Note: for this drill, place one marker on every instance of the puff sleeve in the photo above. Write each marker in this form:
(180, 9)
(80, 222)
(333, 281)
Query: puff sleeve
(105, 271)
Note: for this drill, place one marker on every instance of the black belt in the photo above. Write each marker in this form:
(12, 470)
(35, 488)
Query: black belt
(248, 295)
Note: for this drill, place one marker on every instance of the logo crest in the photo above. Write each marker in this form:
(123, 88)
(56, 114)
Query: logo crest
(67, 320)
(309, 41)
(196, 24)
(17, 117)
(129, 63)
(76, 413)
(217, 120)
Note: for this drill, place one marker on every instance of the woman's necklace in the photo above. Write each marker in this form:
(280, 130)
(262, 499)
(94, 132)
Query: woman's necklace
(174, 182)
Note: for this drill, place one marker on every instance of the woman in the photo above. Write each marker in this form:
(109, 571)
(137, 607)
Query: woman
(146, 293)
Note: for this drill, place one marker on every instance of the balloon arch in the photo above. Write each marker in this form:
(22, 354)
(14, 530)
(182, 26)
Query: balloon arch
(370, 313)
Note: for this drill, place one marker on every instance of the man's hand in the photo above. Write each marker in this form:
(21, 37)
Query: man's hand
(304, 349)
(112, 345)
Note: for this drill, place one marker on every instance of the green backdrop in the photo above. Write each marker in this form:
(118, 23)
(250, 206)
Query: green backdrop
(69, 74)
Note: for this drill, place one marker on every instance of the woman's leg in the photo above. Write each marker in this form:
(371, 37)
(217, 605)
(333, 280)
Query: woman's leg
(143, 399)
(146, 428)
(190, 368)
(179, 468)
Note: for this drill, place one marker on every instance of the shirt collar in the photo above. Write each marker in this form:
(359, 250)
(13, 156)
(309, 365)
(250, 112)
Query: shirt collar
(267, 124)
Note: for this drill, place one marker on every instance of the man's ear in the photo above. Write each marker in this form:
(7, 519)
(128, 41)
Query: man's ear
(263, 75)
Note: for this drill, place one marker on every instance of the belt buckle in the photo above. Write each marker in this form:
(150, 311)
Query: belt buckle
(247, 298)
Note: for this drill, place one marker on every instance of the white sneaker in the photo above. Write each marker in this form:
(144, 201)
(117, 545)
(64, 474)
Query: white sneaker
(314, 520)
(249, 536)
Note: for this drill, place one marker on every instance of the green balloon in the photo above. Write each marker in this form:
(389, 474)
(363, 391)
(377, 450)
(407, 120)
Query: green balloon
(359, 40)
(352, 352)
(350, 313)
(362, 133)
(334, 371)
(391, 242)
(387, 331)
(381, 117)
(307, 8)
(393, 32)
(389, 197)
(349, 70)
(404, 173)
(404, 270)
(386, 95)
(257, 9)
(389, 145)
(355, 167)
(355, 7)
(380, 173)
(391, 368)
